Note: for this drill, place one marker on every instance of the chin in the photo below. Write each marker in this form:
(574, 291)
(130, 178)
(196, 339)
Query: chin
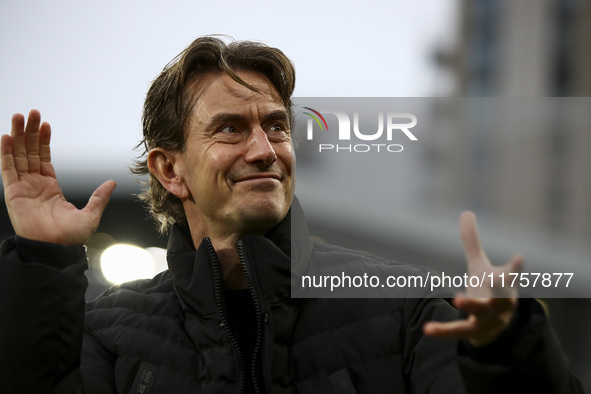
(261, 218)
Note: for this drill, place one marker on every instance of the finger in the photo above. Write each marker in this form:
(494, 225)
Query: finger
(502, 305)
(470, 237)
(480, 307)
(45, 151)
(458, 329)
(515, 264)
(100, 198)
(9, 174)
(477, 332)
(32, 141)
(484, 306)
(19, 150)
(503, 288)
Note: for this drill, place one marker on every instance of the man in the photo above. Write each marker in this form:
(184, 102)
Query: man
(219, 153)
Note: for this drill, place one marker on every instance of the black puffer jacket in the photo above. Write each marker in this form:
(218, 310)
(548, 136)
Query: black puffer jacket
(170, 334)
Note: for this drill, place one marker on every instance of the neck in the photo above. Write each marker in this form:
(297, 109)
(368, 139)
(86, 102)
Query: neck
(234, 278)
(227, 251)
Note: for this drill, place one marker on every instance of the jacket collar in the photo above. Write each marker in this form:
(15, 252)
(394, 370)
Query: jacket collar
(270, 260)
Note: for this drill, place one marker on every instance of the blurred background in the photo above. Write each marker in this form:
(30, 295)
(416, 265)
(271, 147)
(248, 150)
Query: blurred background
(87, 67)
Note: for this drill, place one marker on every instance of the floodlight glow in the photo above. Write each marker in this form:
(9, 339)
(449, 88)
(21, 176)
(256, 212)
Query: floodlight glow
(159, 256)
(121, 263)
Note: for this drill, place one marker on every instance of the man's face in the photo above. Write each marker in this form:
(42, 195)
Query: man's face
(237, 162)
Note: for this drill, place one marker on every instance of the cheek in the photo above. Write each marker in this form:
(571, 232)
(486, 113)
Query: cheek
(286, 155)
(200, 174)
(218, 164)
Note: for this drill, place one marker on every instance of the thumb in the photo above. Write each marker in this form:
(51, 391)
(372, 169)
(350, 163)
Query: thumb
(100, 198)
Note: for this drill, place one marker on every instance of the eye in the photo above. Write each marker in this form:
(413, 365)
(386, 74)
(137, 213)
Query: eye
(277, 132)
(229, 129)
(277, 128)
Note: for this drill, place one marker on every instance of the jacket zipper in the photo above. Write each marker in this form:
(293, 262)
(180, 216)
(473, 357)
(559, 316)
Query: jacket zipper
(257, 308)
(213, 257)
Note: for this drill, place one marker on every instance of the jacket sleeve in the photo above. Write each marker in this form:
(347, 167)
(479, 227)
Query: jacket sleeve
(430, 364)
(41, 316)
(527, 358)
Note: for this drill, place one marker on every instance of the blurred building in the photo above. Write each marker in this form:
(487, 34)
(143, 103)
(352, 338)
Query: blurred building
(538, 174)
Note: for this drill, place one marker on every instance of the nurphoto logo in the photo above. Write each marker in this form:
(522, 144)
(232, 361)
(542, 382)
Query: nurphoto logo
(395, 123)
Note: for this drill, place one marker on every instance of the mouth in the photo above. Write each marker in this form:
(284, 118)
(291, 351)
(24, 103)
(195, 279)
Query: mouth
(260, 177)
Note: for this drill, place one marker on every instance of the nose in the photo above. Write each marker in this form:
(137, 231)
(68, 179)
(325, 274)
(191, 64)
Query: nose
(259, 148)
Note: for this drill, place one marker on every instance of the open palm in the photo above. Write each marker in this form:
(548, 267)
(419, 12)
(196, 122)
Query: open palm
(489, 308)
(35, 202)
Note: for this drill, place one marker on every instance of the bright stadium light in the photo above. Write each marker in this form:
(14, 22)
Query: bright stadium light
(121, 263)
(159, 256)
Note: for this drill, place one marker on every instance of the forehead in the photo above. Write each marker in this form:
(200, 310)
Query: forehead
(217, 93)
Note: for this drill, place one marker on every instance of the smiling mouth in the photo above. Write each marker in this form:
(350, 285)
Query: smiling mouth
(260, 177)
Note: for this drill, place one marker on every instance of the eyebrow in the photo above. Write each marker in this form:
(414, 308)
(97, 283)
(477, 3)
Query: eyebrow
(278, 115)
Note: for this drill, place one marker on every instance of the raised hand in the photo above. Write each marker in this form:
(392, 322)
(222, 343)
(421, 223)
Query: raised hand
(35, 202)
(489, 308)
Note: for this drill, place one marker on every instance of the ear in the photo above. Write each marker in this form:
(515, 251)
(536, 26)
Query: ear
(163, 164)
